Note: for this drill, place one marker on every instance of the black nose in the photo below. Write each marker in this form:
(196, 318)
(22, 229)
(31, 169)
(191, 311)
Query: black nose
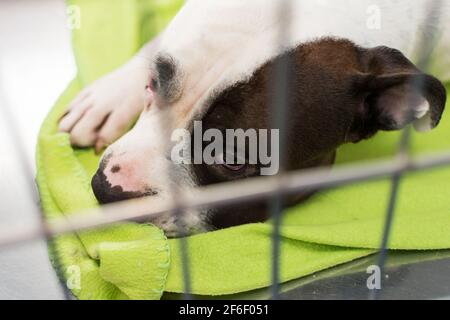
(105, 193)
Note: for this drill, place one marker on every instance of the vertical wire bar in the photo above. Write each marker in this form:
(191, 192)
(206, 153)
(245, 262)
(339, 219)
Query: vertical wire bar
(184, 247)
(426, 45)
(166, 120)
(28, 173)
(403, 151)
(280, 107)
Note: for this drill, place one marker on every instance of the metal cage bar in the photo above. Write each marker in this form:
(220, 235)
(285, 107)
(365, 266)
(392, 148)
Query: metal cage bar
(280, 107)
(166, 121)
(28, 174)
(425, 46)
(178, 210)
(222, 195)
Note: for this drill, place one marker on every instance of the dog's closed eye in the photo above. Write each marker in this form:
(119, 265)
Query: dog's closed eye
(234, 167)
(152, 85)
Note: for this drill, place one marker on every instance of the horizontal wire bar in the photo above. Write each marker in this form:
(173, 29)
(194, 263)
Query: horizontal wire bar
(251, 189)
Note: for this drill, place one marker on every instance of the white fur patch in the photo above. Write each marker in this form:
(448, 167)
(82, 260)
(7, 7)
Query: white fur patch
(220, 42)
(423, 116)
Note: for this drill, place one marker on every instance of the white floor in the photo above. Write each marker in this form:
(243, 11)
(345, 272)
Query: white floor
(36, 64)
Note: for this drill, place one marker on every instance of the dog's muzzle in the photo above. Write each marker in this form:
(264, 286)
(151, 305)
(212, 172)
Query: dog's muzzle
(106, 193)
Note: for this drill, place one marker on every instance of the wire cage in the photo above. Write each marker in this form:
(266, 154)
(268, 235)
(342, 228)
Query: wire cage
(273, 189)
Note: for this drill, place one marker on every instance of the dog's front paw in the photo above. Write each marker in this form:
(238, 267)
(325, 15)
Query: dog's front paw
(105, 110)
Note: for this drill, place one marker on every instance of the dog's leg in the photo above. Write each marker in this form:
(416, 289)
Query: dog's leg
(106, 109)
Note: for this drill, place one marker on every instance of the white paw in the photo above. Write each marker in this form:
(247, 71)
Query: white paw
(105, 110)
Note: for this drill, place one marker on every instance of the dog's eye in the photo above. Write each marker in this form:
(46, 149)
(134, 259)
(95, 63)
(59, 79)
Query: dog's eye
(233, 167)
(237, 163)
(152, 85)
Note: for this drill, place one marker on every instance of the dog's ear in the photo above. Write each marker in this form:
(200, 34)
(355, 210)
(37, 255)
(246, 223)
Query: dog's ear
(393, 93)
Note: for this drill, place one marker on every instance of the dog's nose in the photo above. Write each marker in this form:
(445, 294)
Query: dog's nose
(120, 178)
(106, 193)
(103, 191)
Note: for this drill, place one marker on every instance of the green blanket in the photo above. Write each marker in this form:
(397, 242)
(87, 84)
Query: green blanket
(132, 261)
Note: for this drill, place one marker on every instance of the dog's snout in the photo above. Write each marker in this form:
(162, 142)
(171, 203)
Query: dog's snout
(105, 192)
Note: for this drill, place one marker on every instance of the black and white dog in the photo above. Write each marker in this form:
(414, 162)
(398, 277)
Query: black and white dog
(215, 63)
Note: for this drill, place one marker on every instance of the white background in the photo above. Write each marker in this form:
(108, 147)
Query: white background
(36, 64)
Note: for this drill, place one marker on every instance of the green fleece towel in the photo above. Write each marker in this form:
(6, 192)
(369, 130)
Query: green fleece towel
(137, 262)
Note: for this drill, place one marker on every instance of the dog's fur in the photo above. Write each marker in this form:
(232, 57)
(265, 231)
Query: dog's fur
(215, 63)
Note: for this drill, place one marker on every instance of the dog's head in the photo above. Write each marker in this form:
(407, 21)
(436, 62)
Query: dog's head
(338, 93)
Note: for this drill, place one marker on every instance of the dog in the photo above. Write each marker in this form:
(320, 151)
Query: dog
(350, 76)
